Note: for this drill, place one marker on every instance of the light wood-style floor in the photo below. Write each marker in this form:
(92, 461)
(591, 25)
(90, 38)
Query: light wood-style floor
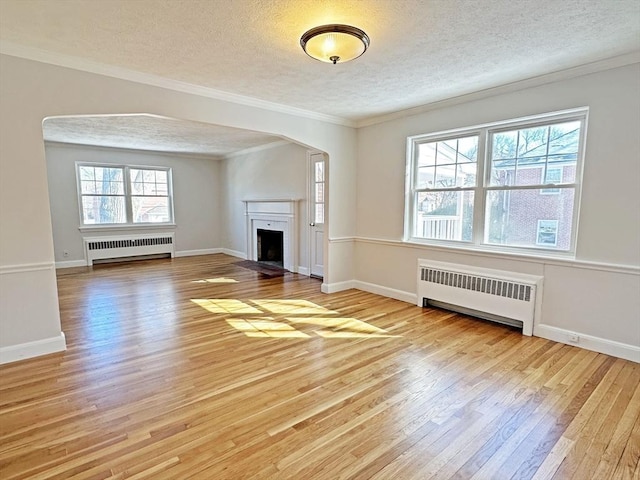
(198, 368)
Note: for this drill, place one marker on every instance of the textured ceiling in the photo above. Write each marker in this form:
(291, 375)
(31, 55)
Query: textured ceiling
(421, 51)
(150, 132)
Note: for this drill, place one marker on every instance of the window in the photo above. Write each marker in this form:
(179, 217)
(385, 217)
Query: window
(122, 195)
(446, 180)
(547, 233)
(551, 175)
(490, 186)
(318, 191)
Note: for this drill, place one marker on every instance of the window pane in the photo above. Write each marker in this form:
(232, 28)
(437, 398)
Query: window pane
(503, 173)
(445, 176)
(427, 154)
(149, 189)
(444, 215)
(108, 181)
(529, 174)
(446, 152)
(108, 174)
(87, 173)
(162, 189)
(564, 138)
(150, 209)
(426, 177)
(532, 142)
(161, 176)
(320, 192)
(534, 149)
(466, 175)
(137, 182)
(467, 149)
(449, 155)
(148, 182)
(319, 171)
(100, 210)
(319, 213)
(88, 186)
(512, 216)
(504, 145)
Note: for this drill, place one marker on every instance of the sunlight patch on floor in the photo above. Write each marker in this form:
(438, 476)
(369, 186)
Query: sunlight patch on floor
(225, 305)
(338, 327)
(295, 307)
(216, 280)
(266, 326)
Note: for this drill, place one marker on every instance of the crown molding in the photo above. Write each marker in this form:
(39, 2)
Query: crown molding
(586, 69)
(76, 63)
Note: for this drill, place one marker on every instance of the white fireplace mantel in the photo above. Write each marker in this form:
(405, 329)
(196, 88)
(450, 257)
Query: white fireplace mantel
(279, 215)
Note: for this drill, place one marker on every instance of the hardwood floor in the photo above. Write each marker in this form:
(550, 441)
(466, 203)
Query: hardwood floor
(199, 368)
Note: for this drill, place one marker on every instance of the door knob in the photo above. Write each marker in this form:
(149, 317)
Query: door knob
(312, 224)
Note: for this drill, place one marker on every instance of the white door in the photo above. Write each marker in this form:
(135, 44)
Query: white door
(317, 194)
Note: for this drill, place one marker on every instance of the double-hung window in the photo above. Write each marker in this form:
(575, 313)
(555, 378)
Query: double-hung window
(124, 195)
(512, 186)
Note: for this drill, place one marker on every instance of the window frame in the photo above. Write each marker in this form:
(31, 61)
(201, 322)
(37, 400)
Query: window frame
(483, 186)
(128, 197)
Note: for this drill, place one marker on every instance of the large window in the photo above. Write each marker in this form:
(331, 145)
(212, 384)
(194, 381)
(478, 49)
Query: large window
(121, 195)
(508, 186)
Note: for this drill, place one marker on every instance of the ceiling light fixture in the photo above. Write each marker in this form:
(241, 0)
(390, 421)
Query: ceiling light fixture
(334, 43)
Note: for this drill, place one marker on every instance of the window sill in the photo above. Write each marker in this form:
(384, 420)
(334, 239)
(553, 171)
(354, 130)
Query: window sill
(127, 228)
(518, 253)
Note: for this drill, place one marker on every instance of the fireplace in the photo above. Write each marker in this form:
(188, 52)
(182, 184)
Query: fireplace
(270, 247)
(272, 232)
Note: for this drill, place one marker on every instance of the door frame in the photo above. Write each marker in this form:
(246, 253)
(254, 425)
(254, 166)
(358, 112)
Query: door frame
(311, 212)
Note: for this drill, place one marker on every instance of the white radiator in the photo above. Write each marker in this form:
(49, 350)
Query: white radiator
(493, 294)
(101, 248)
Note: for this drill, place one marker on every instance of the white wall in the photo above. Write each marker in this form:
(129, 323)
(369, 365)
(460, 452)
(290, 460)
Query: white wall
(273, 173)
(31, 91)
(598, 295)
(196, 191)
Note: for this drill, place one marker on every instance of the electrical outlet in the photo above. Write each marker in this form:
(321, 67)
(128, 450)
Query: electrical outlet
(573, 338)
(65, 253)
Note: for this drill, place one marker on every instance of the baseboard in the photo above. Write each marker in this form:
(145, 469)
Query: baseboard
(182, 253)
(234, 253)
(303, 271)
(194, 253)
(386, 291)
(336, 287)
(589, 342)
(71, 264)
(13, 353)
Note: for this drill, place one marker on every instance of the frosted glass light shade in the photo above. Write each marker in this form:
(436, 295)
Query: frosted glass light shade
(334, 43)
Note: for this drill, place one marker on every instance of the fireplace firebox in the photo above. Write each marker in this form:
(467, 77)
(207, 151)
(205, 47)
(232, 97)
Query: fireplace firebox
(270, 247)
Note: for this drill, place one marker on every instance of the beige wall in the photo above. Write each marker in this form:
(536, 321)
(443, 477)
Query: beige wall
(598, 294)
